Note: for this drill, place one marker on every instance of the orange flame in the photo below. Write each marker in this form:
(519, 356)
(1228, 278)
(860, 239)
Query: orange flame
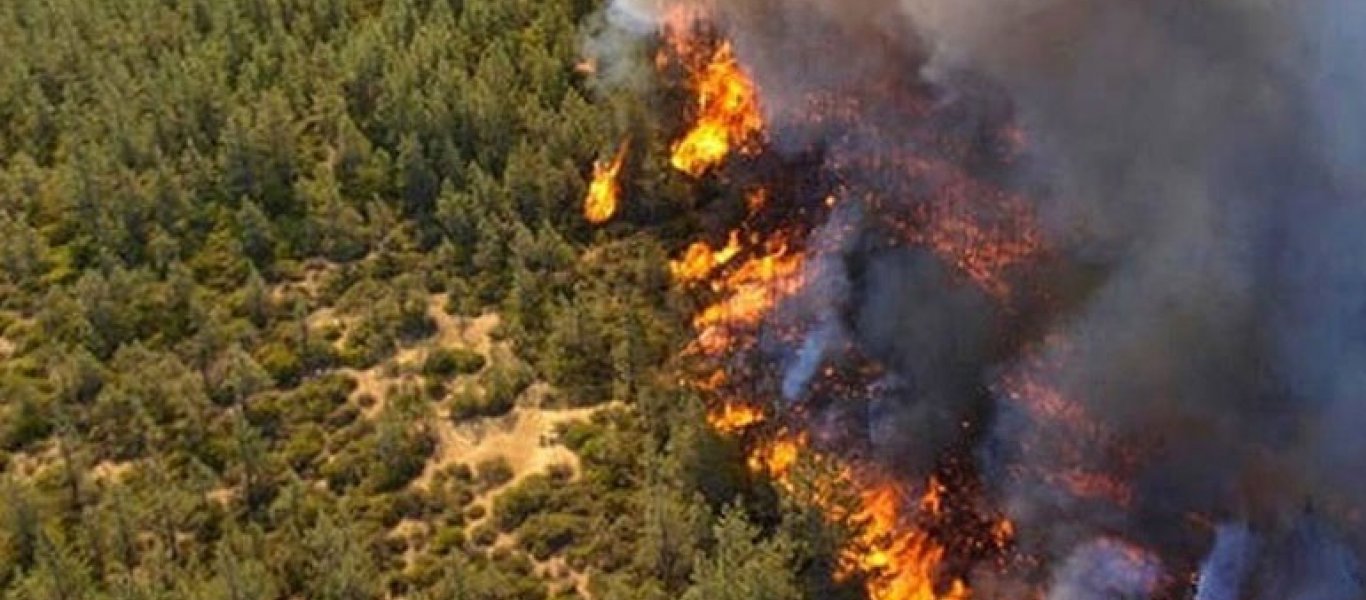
(778, 456)
(898, 560)
(604, 192)
(700, 259)
(892, 552)
(749, 293)
(732, 417)
(728, 116)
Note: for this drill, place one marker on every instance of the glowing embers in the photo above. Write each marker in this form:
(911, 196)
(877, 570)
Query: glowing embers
(1063, 446)
(726, 110)
(982, 231)
(748, 292)
(604, 191)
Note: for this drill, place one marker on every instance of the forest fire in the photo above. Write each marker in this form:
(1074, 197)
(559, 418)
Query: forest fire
(727, 114)
(700, 259)
(895, 302)
(896, 558)
(903, 561)
(604, 191)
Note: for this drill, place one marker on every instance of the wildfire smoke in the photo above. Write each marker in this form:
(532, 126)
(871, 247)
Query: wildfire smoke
(1043, 282)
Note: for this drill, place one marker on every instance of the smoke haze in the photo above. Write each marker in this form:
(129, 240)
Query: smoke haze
(1204, 159)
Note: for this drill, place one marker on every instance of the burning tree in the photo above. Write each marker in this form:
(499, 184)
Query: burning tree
(911, 298)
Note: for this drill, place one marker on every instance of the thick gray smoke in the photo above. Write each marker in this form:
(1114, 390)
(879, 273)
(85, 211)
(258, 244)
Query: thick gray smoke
(1207, 159)
(1106, 569)
(1303, 562)
(1225, 570)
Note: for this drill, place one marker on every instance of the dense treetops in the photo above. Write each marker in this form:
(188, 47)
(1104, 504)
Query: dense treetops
(243, 246)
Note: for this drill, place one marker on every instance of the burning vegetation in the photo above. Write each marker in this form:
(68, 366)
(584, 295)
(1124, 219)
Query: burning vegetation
(892, 309)
(761, 266)
(604, 191)
(726, 112)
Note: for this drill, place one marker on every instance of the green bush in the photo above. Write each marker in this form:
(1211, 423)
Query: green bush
(544, 534)
(344, 471)
(512, 507)
(281, 362)
(433, 389)
(343, 416)
(460, 472)
(475, 512)
(25, 423)
(484, 535)
(448, 538)
(304, 446)
(315, 399)
(504, 383)
(469, 402)
(447, 362)
(493, 472)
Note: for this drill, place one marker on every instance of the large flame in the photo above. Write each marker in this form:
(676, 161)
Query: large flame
(902, 560)
(727, 114)
(604, 192)
(903, 533)
(896, 558)
(749, 276)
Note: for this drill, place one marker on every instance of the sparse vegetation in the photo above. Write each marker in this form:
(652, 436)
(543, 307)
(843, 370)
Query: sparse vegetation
(227, 228)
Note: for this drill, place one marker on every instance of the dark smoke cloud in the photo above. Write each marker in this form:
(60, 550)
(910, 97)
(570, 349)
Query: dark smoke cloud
(1208, 158)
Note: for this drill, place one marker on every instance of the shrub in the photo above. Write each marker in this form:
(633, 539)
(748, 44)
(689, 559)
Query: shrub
(468, 402)
(343, 416)
(448, 538)
(315, 399)
(513, 562)
(433, 388)
(560, 473)
(514, 506)
(447, 362)
(281, 362)
(493, 472)
(503, 384)
(463, 496)
(475, 512)
(461, 472)
(345, 470)
(484, 535)
(544, 534)
(25, 423)
(304, 446)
